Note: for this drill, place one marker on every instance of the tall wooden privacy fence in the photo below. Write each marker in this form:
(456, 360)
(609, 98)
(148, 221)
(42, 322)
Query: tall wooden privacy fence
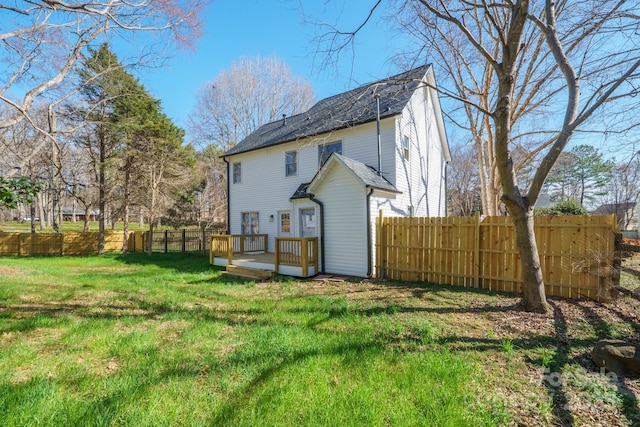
(576, 253)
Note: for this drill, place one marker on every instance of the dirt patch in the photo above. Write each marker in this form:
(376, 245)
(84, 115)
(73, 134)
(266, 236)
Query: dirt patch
(6, 271)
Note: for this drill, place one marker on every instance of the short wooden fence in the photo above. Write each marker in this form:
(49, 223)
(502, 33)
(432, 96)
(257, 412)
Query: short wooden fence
(576, 253)
(192, 240)
(72, 243)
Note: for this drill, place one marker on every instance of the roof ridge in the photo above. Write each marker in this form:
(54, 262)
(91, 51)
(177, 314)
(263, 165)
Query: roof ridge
(345, 109)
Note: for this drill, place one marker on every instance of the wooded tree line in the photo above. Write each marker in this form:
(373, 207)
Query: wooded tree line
(582, 176)
(113, 152)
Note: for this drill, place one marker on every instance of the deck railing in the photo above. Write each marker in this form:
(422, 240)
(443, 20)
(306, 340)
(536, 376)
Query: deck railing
(297, 251)
(225, 245)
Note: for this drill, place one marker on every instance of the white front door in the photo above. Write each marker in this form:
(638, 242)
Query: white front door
(284, 223)
(308, 222)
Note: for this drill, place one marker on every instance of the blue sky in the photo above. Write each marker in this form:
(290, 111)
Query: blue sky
(249, 28)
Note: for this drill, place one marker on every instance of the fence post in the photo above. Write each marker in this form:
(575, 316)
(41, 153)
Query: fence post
(184, 240)
(166, 241)
(381, 261)
(476, 252)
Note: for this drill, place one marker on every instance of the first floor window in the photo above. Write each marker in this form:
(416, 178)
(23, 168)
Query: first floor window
(291, 163)
(250, 223)
(237, 173)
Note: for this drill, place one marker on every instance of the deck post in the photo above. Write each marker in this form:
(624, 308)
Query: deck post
(230, 249)
(277, 254)
(304, 255)
(314, 246)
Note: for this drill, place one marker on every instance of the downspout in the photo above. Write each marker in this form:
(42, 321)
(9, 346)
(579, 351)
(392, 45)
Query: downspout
(321, 206)
(228, 196)
(369, 262)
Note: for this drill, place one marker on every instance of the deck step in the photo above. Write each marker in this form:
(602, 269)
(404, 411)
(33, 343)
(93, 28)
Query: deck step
(249, 273)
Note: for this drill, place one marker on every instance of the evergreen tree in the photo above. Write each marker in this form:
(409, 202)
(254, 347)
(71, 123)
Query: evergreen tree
(139, 150)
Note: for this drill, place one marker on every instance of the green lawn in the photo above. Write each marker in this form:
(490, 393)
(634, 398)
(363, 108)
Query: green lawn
(66, 226)
(168, 340)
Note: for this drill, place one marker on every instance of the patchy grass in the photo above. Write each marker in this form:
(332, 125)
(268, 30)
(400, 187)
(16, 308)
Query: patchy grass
(168, 340)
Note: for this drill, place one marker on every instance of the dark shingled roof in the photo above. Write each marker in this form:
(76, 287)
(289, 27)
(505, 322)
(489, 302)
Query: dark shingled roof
(367, 174)
(301, 192)
(340, 111)
(614, 208)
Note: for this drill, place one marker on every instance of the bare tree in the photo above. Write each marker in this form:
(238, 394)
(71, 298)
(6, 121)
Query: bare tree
(553, 66)
(42, 41)
(623, 191)
(252, 92)
(463, 184)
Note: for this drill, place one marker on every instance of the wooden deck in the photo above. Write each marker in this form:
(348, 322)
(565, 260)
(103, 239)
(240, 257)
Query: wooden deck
(293, 257)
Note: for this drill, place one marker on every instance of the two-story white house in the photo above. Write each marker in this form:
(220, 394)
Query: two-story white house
(328, 172)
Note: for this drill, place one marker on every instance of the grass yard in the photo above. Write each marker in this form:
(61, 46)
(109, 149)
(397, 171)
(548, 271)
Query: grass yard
(168, 340)
(66, 226)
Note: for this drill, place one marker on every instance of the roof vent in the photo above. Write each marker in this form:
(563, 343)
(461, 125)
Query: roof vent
(284, 119)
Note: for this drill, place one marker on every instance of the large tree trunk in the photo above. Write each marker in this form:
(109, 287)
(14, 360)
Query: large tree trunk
(534, 297)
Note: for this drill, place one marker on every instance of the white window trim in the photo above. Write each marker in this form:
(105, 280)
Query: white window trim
(233, 173)
(286, 169)
(406, 147)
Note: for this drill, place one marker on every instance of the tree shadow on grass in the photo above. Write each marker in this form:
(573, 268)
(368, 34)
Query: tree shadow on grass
(312, 313)
(177, 261)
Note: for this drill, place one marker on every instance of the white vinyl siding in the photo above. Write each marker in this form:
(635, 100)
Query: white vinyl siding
(421, 178)
(345, 223)
(267, 190)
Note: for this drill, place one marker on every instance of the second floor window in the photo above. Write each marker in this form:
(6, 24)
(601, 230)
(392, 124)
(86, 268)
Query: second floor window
(324, 151)
(237, 173)
(291, 163)
(405, 147)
